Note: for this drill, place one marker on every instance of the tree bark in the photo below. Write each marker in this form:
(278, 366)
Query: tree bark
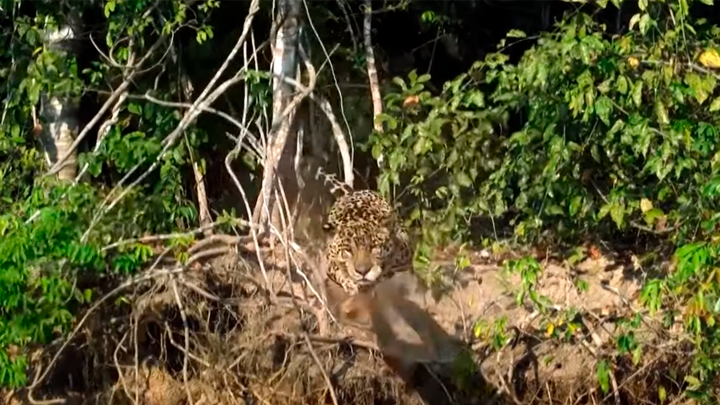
(372, 73)
(60, 113)
(284, 65)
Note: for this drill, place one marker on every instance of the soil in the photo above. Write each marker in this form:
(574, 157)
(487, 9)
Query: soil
(224, 334)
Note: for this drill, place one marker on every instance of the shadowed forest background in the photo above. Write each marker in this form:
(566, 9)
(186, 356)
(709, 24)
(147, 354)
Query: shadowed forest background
(164, 175)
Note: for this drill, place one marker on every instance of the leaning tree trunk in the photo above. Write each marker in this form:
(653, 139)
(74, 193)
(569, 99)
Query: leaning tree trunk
(59, 113)
(280, 145)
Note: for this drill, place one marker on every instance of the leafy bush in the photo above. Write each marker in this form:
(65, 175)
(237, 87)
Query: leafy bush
(53, 236)
(587, 135)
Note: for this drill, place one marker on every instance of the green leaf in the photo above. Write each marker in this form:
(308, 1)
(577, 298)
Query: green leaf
(617, 126)
(645, 23)
(622, 85)
(134, 108)
(575, 205)
(701, 87)
(515, 33)
(661, 113)
(637, 93)
(376, 151)
(604, 210)
(708, 2)
(400, 83)
(602, 373)
(715, 105)
(617, 213)
(603, 108)
(693, 381)
(474, 98)
(413, 76)
(200, 37)
(109, 8)
(427, 16)
(463, 179)
(652, 215)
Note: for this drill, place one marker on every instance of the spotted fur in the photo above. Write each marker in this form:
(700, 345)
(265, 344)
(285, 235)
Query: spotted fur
(368, 241)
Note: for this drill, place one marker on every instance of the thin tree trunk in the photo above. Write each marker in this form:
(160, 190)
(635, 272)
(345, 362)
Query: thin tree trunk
(203, 207)
(60, 113)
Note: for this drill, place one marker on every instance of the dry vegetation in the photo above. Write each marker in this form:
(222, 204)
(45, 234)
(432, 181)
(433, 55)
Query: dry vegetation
(218, 334)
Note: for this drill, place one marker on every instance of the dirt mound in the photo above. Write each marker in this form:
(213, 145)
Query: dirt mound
(223, 333)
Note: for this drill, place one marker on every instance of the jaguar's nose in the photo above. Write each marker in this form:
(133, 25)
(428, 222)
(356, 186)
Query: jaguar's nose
(363, 268)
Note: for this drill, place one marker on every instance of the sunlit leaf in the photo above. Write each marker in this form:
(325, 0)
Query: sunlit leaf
(710, 58)
(515, 33)
(645, 205)
(715, 105)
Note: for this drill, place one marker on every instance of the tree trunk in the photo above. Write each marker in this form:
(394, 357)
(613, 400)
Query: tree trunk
(372, 73)
(281, 143)
(198, 171)
(59, 113)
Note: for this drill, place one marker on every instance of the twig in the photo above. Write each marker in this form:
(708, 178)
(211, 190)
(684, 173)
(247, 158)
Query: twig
(186, 329)
(121, 375)
(253, 232)
(336, 84)
(193, 112)
(182, 349)
(336, 129)
(252, 137)
(351, 341)
(439, 381)
(614, 383)
(153, 238)
(333, 395)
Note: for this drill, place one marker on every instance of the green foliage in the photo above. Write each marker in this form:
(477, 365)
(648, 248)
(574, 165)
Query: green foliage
(587, 135)
(53, 235)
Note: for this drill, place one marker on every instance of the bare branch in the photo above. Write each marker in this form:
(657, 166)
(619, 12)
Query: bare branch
(337, 130)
